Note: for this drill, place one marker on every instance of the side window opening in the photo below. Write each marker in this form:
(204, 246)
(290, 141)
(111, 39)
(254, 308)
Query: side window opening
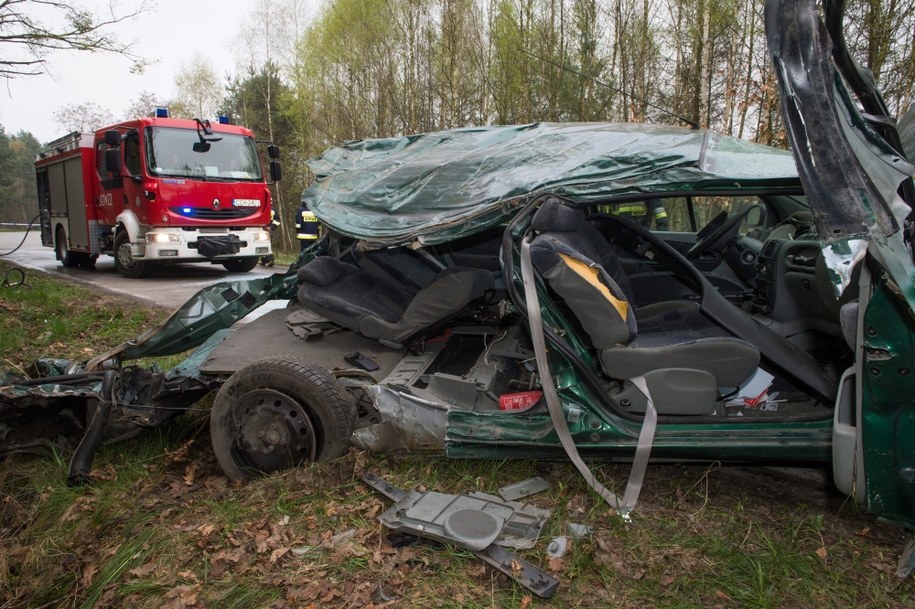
(100, 149)
(132, 155)
(690, 214)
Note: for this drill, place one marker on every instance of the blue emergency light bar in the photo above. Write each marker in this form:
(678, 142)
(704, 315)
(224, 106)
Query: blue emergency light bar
(223, 119)
(161, 112)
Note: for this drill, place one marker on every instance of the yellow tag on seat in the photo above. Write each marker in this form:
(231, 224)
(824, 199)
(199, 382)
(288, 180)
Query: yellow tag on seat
(591, 275)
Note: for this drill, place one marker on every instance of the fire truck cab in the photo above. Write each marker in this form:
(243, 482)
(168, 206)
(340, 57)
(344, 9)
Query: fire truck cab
(154, 190)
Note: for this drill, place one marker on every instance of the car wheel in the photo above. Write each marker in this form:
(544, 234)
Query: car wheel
(276, 414)
(240, 265)
(61, 250)
(124, 261)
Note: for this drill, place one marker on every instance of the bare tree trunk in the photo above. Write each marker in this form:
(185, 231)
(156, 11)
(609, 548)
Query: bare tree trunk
(705, 72)
(750, 25)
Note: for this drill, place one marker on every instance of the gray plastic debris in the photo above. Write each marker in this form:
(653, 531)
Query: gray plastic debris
(528, 575)
(523, 522)
(471, 522)
(558, 547)
(524, 525)
(525, 488)
(475, 528)
(578, 531)
(342, 537)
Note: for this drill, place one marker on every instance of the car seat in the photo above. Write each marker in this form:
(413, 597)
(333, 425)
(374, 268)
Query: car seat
(380, 308)
(684, 357)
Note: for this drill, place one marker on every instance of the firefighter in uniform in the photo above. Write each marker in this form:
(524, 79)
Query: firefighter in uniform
(306, 226)
(640, 212)
(269, 260)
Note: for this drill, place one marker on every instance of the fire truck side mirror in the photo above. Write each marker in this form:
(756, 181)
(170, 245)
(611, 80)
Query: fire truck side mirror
(113, 138)
(273, 151)
(276, 171)
(113, 160)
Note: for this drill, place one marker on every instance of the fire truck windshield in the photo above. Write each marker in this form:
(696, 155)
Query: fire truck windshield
(170, 152)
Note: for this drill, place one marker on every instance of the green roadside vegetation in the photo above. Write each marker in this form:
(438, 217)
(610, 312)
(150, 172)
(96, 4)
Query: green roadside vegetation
(159, 526)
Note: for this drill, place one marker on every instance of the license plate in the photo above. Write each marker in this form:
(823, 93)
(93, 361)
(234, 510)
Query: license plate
(246, 202)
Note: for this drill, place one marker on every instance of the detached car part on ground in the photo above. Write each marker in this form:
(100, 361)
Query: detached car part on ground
(475, 294)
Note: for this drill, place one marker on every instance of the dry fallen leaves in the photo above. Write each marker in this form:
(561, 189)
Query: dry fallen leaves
(145, 569)
(180, 454)
(182, 597)
(89, 571)
(190, 473)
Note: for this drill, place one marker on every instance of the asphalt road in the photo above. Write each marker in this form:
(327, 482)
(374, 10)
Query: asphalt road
(170, 285)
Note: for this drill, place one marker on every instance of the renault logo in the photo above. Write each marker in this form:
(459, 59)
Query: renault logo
(215, 203)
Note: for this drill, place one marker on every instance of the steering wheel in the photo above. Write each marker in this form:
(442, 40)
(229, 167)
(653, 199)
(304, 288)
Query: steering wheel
(718, 232)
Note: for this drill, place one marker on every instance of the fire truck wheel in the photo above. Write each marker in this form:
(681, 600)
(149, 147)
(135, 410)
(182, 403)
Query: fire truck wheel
(278, 413)
(66, 257)
(124, 261)
(240, 265)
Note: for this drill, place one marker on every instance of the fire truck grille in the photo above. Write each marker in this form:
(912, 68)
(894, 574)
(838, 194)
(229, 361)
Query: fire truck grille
(206, 213)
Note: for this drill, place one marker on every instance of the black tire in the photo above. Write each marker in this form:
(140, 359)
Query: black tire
(124, 261)
(240, 265)
(277, 413)
(61, 250)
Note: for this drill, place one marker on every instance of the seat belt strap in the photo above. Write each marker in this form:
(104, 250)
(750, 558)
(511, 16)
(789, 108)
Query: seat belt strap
(554, 405)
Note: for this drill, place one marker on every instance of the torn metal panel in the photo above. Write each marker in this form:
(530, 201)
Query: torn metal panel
(500, 429)
(384, 437)
(850, 180)
(433, 187)
(409, 423)
(211, 309)
(906, 129)
(54, 411)
(840, 258)
(413, 423)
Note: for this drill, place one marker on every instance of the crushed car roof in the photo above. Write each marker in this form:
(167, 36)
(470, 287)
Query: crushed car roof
(437, 186)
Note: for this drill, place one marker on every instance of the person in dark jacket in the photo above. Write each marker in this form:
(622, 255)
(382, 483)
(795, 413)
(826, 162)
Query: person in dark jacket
(307, 229)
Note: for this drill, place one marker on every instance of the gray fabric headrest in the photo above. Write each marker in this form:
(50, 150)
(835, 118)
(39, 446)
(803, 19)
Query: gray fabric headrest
(554, 215)
(321, 271)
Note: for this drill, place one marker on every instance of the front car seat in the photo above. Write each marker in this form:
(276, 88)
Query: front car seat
(685, 358)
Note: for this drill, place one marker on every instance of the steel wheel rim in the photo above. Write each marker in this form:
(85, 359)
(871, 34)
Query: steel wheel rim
(271, 431)
(124, 255)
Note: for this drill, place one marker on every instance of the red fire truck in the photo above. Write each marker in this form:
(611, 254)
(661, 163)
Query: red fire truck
(153, 190)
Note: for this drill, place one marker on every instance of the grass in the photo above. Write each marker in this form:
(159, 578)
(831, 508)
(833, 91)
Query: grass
(52, 317)
(159, 526)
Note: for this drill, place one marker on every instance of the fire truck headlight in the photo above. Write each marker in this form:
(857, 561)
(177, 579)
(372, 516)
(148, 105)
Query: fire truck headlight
(262, 236)
(162, 238)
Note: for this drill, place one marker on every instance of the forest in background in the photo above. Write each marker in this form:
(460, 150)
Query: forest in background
(318, 73)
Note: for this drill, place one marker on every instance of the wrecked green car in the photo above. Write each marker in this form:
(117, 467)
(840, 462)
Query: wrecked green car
(569, 290)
